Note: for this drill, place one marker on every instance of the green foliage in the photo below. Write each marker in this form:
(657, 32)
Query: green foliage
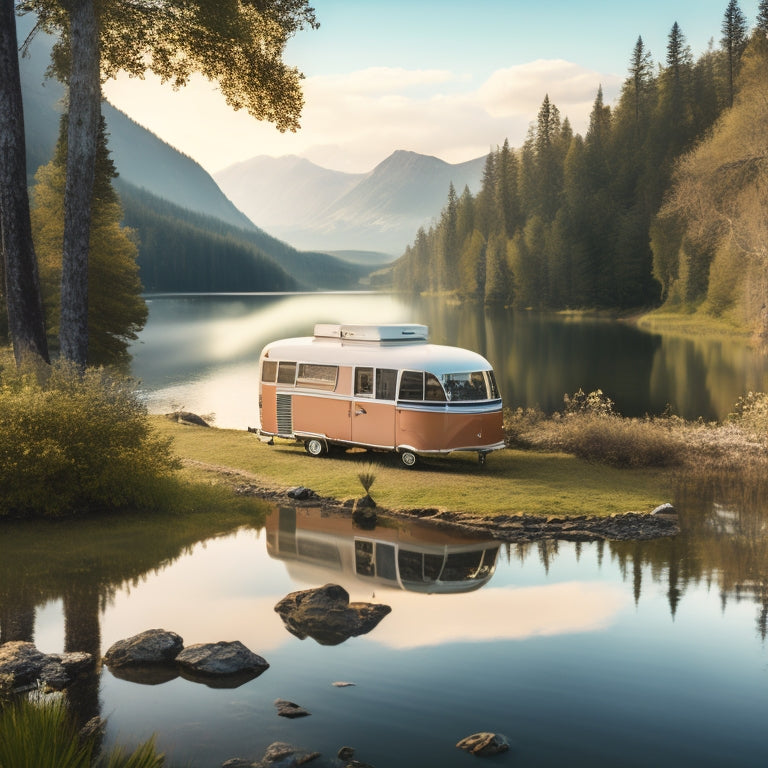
(367, 476)
(579, 215)
(74, 443)
(41, 734)
(184, 251)
(116, 310)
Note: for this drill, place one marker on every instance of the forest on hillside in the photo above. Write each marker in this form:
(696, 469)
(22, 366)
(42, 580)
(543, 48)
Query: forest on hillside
(664, 200)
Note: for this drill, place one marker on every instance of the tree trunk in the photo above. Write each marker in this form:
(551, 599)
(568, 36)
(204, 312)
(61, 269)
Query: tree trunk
(82, 140)
(22, 285)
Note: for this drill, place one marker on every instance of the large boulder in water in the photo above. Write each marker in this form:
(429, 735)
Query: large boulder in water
(155, 646)
(22, 665)
(326, 614)
(223, 659)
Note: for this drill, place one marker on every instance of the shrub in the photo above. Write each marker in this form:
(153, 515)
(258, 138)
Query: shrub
(72, 442)
(619, 442)
(751, 413)
(590, 428)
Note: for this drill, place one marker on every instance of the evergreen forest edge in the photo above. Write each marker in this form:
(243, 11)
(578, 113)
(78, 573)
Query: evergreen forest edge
(662, 202)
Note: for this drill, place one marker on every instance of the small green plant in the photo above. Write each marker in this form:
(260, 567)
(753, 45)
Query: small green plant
(38, 732)
(367, 476)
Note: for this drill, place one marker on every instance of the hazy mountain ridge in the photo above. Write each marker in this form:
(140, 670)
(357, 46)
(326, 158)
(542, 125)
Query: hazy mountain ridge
(152, 174)
(314, 207)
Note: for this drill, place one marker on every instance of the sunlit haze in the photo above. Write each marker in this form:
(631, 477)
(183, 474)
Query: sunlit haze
(448, 79)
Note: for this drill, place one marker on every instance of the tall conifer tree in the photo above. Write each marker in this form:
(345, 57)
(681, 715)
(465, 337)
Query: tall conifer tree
(734, 40)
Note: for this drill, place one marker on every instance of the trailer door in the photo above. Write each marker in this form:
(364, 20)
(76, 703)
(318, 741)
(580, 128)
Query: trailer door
(373, 407)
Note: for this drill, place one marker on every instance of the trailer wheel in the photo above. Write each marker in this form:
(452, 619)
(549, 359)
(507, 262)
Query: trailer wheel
(408, 458)
(481, 458)
(315, 447)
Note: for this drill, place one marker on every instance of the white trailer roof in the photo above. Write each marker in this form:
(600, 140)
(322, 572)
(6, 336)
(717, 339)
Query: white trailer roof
(411, 355)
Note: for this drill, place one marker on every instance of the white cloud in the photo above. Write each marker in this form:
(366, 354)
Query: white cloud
(353, 121)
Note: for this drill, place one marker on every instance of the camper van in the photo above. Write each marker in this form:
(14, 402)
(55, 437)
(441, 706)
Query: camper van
(380, 387)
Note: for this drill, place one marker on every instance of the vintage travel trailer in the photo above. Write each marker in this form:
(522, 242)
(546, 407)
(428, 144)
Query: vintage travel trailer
(381, 387)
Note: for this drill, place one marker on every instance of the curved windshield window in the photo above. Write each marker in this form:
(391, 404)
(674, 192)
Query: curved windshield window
(465, 386)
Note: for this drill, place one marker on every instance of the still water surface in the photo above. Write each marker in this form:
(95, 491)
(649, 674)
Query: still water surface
(201, 353)
(612, 654)
(594, 654)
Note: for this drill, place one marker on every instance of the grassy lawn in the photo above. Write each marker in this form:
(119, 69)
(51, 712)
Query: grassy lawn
(511, 482)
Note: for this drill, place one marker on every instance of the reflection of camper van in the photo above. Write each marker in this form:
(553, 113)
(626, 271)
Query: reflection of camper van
(382, 387)
(418, 558)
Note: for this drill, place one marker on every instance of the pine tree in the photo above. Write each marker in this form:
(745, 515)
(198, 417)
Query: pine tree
(116, 310)
(762, 17)
(734, 40)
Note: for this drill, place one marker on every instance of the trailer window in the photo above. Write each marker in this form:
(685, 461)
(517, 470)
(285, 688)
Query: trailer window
(465, 386)
(433, 390)
(315, 376)
(386, 379)
(412, 385)
(364, 381)
(286, 373)
(494, 390)
(269, 371)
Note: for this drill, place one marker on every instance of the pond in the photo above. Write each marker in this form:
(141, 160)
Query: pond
(613, 653)
(200, 353)
(602, 653)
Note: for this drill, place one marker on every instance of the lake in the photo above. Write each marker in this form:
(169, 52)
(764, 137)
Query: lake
(200, 353)
(583, 654)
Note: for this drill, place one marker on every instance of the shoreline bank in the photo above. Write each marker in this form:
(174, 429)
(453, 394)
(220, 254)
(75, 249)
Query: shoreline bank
(508, 528)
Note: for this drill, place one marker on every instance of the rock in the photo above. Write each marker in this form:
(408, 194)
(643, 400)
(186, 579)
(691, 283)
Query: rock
(484, 744)
(300, 493)
(154, 646)
(326, 614)
(93, 729)
(22, 662)
(342, 684)
(345, 753)
(289, 709)
(185, 417)
(664, 509)
(222, 658)
(22, 665)
(282, 755)
(239, 762)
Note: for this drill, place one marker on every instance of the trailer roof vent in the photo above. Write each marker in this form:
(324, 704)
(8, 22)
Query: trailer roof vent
(386, 332)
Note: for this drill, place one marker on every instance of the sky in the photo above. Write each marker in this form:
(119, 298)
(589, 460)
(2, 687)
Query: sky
(450, 79)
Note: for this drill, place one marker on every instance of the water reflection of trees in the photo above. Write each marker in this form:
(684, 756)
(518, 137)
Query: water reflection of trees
(83, 563)
(722, 544)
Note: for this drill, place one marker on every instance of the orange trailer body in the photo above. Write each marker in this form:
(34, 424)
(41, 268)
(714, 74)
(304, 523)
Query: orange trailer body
(382, 387)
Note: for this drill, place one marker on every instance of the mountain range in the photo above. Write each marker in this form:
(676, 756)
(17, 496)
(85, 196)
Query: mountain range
(322, 209)
(316, 227)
